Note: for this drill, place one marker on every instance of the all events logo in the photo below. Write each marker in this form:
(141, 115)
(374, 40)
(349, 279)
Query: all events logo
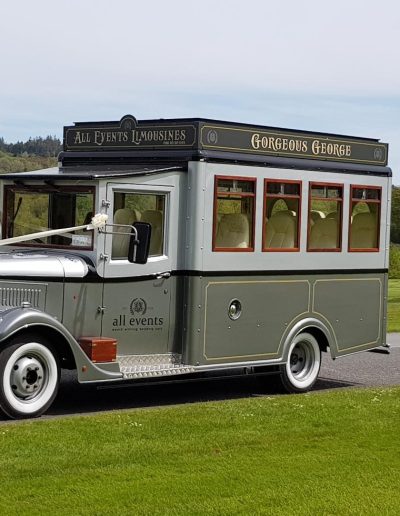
(212, 137)
(138, 306)
(378, 154)
(138, 319)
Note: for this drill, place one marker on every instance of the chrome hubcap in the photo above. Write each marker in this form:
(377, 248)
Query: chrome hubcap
(301, 360)
(27, 377)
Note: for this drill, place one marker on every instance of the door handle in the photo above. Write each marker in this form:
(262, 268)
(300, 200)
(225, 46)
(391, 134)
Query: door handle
(162, 275)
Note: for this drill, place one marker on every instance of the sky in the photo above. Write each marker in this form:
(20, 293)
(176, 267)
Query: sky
(308, 65)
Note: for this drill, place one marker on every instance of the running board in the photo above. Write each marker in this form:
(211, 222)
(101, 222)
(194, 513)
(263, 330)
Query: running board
(381, 349)
(150, 366)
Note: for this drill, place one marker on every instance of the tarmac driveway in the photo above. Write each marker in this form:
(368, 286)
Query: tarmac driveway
(367, 369)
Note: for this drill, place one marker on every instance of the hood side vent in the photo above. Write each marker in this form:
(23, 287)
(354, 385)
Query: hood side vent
(12, 296)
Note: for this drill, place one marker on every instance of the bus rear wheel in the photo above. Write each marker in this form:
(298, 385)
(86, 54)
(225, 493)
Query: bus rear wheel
(303, 364)
(29, 377)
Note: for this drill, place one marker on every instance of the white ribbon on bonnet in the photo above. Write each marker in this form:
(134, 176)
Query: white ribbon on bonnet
(98, 221)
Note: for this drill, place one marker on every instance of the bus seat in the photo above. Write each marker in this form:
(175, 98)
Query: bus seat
(324, 234)
(233, 231)
(280, 230)
(120, 243)
(316, 215)
(333, 215)
(363, 231)
(137, 214)
(155, 219)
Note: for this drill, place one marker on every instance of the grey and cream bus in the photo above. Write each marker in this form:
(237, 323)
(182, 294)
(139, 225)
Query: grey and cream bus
(185, 246)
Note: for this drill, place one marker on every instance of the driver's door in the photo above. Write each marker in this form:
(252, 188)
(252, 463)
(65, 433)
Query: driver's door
(136, 297)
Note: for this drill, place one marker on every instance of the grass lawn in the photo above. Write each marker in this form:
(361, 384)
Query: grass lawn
(331, 453)
(394, 306)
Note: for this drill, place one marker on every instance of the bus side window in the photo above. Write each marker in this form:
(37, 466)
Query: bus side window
(325, 217)
(365, 218)
(233, 227)
(131, 207)
(281, 215)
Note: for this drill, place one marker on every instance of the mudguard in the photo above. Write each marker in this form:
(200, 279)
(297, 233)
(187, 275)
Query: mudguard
(304, 325)
(23, 318)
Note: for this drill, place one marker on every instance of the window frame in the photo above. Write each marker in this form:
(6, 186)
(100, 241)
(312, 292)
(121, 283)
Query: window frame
(47, 189)
(299, 197)
(143, 192)
(253, 195)
(372, 201)
(338, 199)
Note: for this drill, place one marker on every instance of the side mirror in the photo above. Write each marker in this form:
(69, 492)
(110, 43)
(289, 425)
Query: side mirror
(139, 248)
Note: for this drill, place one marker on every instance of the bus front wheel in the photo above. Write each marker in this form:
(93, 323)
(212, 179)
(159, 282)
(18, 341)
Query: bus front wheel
(303, 364)
(29, 377)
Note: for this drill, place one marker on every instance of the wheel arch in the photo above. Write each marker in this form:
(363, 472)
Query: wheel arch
(317, 329)
(320, 337)
(18, 321)
(58, 340)
(22, 321)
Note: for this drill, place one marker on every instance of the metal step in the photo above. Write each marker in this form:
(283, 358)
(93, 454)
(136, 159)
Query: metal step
(149, 366)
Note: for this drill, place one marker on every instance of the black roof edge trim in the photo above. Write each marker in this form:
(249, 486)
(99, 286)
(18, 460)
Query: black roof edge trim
(109, 158)
(87, 173)
(295, 163)
(101, 156)
(154, 121)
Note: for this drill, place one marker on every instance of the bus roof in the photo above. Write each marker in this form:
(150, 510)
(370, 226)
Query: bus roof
(200, 138)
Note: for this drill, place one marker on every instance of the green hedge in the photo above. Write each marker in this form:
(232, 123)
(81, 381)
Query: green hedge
(394, 262)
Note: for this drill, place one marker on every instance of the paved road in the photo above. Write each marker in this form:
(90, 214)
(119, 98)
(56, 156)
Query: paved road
(394, 339)
(359, 370)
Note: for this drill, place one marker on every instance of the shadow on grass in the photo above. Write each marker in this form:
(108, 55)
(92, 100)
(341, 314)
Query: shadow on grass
(366, 369)
(75, 399)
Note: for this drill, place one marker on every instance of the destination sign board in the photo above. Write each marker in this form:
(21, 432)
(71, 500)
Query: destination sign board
(200, 136)
(290, 144)
(129, 134)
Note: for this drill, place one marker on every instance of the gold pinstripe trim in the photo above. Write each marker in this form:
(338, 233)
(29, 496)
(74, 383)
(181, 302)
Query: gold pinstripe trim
(294, 154)
(358, 346)
(260, 355)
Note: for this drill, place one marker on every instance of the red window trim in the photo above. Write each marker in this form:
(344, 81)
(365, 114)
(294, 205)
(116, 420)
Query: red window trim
(280, 196)
(371, 201)
(340, 199)
(227, 195)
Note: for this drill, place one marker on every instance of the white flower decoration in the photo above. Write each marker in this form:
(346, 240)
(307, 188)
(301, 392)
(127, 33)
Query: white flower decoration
(98, 221)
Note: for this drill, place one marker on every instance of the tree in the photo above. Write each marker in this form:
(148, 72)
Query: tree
(395, 218)
(38, 146)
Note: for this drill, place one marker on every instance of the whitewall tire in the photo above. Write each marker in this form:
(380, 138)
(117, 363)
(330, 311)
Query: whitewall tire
(303, 364)
(29, 377)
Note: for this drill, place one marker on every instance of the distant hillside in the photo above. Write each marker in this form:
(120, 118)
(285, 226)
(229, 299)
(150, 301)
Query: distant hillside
(24, 162)
(34, 154)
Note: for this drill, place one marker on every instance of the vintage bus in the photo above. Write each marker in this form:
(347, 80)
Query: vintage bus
(226, 247)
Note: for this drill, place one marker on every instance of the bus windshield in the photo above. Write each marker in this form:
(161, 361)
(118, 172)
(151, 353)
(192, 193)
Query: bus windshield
(30, 209)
